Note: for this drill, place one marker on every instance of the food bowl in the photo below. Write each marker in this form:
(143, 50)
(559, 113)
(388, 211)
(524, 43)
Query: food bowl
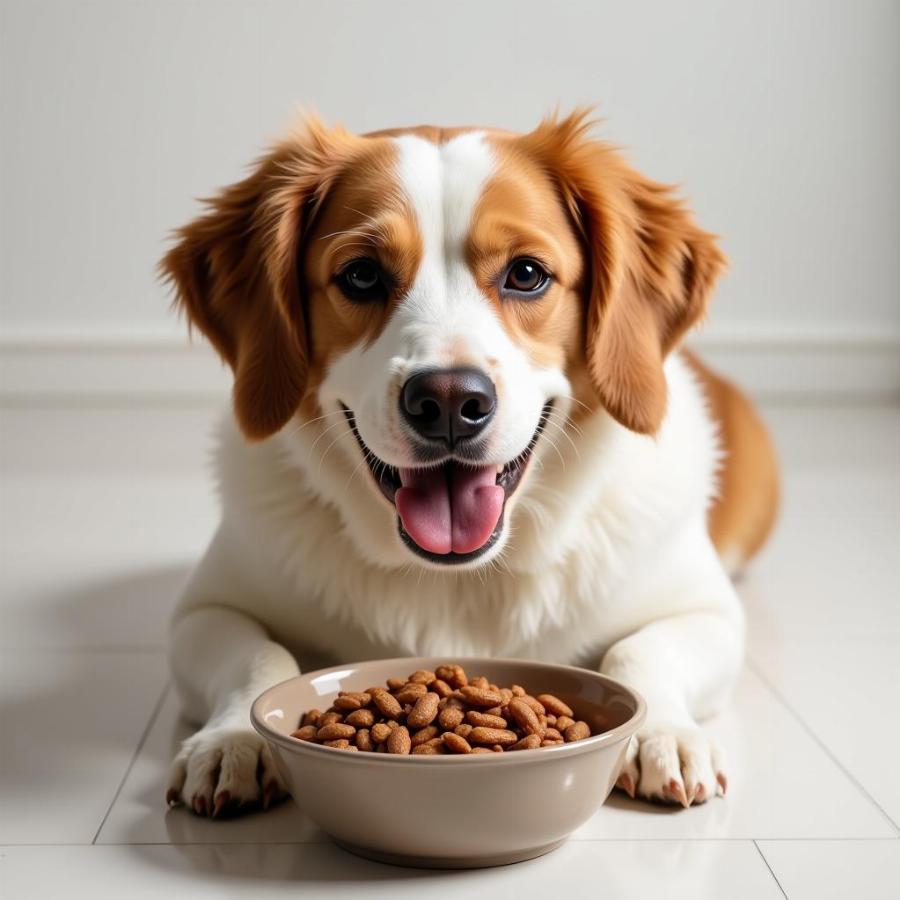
(452, 811)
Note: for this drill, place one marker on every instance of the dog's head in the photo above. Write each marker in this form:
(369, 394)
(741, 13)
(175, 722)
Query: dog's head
(432, 305)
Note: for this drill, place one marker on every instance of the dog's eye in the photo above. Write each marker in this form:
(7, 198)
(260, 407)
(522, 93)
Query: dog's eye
(362, 280)
(525, 276)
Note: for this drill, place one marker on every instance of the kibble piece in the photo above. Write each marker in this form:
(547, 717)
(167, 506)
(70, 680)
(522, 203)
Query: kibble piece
(479, 696)
(563, 722)
(464, 729)
(552, 734)
(422, 677)
(456, 744)
(454, 675)
(502, 737)
(410, 692)
(306, 733)
(311, 717)
(529, 742)
(339, 744)
(335, 732)
(577, 732)
(450, 717)
(555, 705)
(399, 741)
(481, 750)
(423, 735)
(380, 732)
(329, 718)
(424, 712)
(525, 716)
(364, 740)
(347, 704)
(429, 749)
(360, 718)
(441, 688)
(535, 704)
(387, 704)
(474, 717)
(394, 684)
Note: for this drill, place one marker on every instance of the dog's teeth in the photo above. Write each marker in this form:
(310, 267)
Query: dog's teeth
(500, 468)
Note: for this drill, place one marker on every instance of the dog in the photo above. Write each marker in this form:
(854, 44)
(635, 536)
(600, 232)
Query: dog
(463, 424)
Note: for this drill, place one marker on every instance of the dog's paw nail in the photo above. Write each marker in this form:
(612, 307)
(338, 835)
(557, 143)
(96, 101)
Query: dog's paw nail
(675, 791)
(172, 798)
(723, 783)
(699, 795)
(222, 800)
(626, 784)
(198, 804)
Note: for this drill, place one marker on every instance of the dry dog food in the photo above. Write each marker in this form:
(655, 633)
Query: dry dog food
(443, 711)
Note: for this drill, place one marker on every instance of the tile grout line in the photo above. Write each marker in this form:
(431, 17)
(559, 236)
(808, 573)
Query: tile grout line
(134, 756)
(762, 856)
(757, 670)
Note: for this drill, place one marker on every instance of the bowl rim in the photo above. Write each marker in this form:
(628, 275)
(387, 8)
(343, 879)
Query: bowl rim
(586, 745)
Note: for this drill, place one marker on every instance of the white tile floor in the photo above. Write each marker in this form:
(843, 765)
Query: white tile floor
(101, 513)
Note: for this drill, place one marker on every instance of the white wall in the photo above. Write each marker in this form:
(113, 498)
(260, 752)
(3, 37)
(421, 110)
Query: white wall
(781, 118)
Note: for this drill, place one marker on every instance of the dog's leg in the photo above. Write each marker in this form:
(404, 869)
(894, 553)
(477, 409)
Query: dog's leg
(221, 660)
(684, 663)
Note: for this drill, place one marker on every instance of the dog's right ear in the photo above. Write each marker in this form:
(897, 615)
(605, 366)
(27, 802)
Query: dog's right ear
(235, 274)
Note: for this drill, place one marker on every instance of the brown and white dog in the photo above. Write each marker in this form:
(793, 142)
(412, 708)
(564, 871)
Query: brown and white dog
(464, 427)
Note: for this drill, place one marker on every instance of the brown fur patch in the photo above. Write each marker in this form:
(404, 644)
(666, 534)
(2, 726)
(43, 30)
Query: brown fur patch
(744, 512)
(519, 214)
(365, 215)
(651, 268)
(235, 269)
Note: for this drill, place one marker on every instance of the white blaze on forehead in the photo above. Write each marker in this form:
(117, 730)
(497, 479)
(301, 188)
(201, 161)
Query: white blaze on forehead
(443, 183)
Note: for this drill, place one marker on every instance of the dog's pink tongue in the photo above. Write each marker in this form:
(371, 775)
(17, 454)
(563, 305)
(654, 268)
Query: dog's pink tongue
(456, 512)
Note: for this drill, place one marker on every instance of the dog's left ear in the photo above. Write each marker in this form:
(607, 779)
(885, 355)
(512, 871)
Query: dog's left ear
(235, 272)
(652, 269)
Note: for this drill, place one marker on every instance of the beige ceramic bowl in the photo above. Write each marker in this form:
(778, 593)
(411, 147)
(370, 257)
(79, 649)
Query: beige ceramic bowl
(452, 811)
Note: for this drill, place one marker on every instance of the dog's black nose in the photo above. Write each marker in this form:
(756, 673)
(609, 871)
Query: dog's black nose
(448, 404)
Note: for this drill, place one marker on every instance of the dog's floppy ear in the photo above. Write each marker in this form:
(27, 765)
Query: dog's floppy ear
(235, 275)
(652, 268)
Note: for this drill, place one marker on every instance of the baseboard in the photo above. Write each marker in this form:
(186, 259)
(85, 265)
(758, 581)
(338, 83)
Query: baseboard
(164, 368)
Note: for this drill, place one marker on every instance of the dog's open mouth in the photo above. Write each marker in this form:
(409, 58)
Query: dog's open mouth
(453, 512)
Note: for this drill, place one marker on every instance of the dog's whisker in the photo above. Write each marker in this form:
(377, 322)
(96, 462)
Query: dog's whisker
(325, 454)
(554, 445)
(576, 400)
(325, 431)
(300, 426)
(562, 431)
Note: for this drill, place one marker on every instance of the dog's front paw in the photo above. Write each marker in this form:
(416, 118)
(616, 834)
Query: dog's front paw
(222, 771)
(673, 765)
